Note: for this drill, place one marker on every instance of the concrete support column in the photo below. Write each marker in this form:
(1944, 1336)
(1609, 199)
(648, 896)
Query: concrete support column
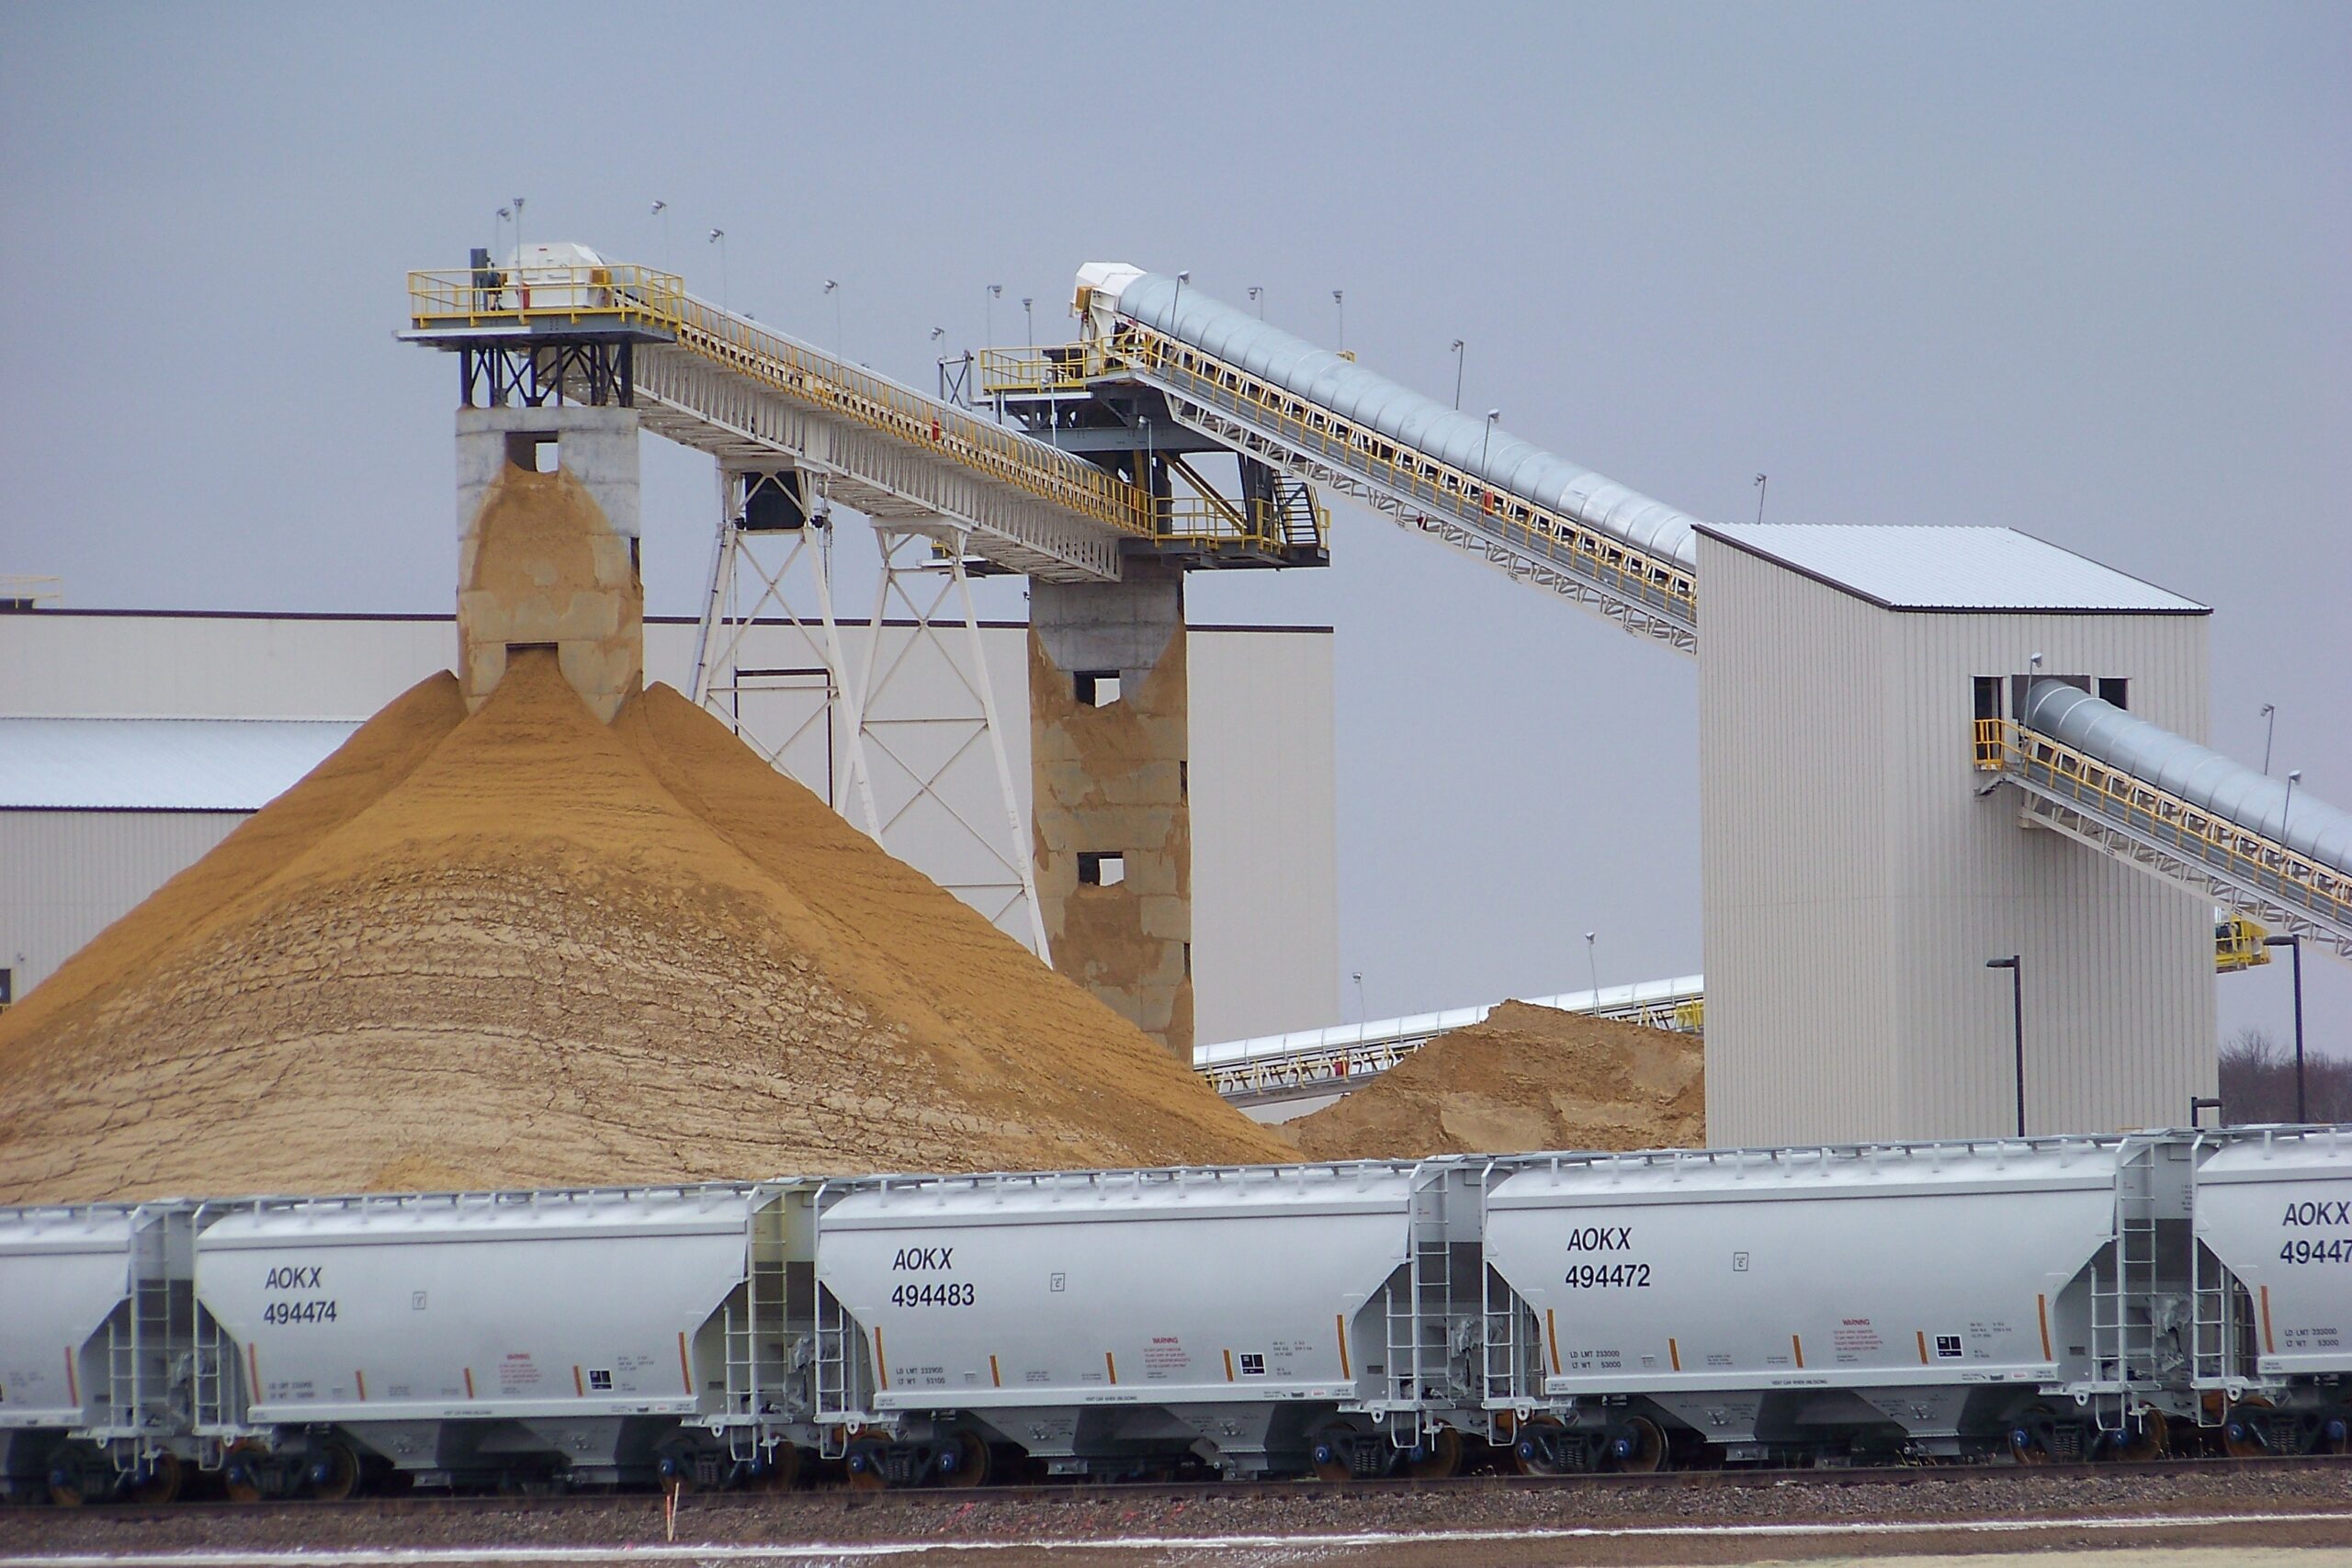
(1108, 707)
(547, 549)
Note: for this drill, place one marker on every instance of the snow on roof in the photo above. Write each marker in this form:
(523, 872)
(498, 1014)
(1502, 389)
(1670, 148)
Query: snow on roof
(159, 764)
(1950, 569)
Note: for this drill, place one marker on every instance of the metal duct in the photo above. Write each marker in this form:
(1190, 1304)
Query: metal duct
(1503, 461)
(2195, 774)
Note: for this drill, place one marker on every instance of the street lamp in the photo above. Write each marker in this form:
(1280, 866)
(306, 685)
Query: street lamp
(1182, 278)
(2017, 1018)
(2294, 944)
(2269, 726)
(718, 238)
(1029, 315)
(2286, 809)
(1362, 1018)
(1258, 297)
(1763, 485)
(833, 287)
(996, 292)
(1592, 962)
(1457, 375)
(1339, 298)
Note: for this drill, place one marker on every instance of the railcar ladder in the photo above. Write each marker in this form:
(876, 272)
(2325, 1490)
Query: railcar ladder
(833, 1366)
(755, 1335)
(1421, 1314)
(1512, 1371)
(149, 1337)
(2123, 1351)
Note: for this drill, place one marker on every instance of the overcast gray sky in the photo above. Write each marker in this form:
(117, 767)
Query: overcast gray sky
(2078, 269)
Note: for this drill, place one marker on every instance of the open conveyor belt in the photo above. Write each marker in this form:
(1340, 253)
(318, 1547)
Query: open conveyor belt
(2178, 810)
(1307, 1062)
(1321, 417)
(722, 383)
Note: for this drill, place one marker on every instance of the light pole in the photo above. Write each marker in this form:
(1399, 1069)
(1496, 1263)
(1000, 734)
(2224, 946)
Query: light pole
(1592, 962)
(1029, 315)
(2286, 808)
(1362, 1017)
(2269, 725)
(2294, 944)
(718, 238)
(2017, 1019)
(1486, 485)
(833, 288)
(1763, 483)
(1340, 299)
(1457, 375)
(996, 292)
(1182, 278)
(1258, 297)
(662, 210)
(518, 230)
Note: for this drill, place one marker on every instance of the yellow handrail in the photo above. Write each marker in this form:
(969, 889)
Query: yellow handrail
(2003, 746)
(633, 296)
(1396, 467)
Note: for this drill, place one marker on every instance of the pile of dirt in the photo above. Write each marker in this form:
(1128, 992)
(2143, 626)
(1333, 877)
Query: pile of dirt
(1524, 1077)
(523, 948)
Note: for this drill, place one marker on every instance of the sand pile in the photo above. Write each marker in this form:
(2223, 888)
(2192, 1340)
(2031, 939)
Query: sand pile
(1525, 1077)
(523, 948)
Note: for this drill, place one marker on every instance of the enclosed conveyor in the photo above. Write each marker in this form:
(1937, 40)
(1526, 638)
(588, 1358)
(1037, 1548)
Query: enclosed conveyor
(2181, 810)
(1324, 418)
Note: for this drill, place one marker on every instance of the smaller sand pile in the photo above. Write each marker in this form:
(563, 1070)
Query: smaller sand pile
(1526, 1077)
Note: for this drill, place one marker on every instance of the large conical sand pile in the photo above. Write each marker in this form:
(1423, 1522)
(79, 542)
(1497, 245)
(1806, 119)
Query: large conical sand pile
(1524, 1077)
(523, 948)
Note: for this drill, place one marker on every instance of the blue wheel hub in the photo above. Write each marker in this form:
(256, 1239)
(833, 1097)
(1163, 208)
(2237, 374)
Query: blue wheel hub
(2337, 1430)
(2019, 1438)
(950, 1461)
(859, 1464)
(1527, 1448)
(1324, 1453)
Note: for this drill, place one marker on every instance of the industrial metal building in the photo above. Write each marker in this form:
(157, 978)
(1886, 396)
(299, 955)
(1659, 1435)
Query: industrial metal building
(1264, 859)
(1860, 871)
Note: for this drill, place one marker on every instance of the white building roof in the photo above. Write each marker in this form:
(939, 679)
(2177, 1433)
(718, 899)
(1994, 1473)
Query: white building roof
(1951, 569)
(159, 764)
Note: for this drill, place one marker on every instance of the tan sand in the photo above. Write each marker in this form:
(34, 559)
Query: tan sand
(1525, 1077)
(526, 949)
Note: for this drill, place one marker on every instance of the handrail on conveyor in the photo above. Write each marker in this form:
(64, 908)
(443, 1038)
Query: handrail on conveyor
(634, 296)
(2231, 853)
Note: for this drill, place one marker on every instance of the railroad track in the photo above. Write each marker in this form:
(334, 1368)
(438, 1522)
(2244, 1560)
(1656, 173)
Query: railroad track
(415, 1506)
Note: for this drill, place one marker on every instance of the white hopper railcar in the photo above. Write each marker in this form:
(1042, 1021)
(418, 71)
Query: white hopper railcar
(2273, 1261)
(1104, 1323)
(599, 1336)
(1812, 1303)
(94, 1327)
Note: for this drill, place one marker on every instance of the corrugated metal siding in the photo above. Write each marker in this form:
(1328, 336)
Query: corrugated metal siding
(66, 876)
(1856, 883)
(1265, 866)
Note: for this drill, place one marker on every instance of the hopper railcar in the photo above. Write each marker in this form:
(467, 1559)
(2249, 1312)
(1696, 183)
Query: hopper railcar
(2014, 1300)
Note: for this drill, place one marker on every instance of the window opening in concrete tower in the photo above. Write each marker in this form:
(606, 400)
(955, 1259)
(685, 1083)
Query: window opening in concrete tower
(1101, 868)
(1097, 688)
(534, 452)
(1988, 711)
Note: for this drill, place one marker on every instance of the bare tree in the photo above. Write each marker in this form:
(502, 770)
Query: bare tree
(2258, 1081)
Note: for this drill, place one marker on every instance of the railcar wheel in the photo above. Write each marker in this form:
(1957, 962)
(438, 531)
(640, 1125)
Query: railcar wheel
(1327, 1454)
(1440, 1455)
(964, 1461)
(2334, 1434)
(2245, 1429)
(160, 1485)
(2146, 1439)
(1638, 1447)
(333, 1474)
(862, 1471)
(66, 1493)
(778, 1470)
(1535, 1447)
(241, 1472)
